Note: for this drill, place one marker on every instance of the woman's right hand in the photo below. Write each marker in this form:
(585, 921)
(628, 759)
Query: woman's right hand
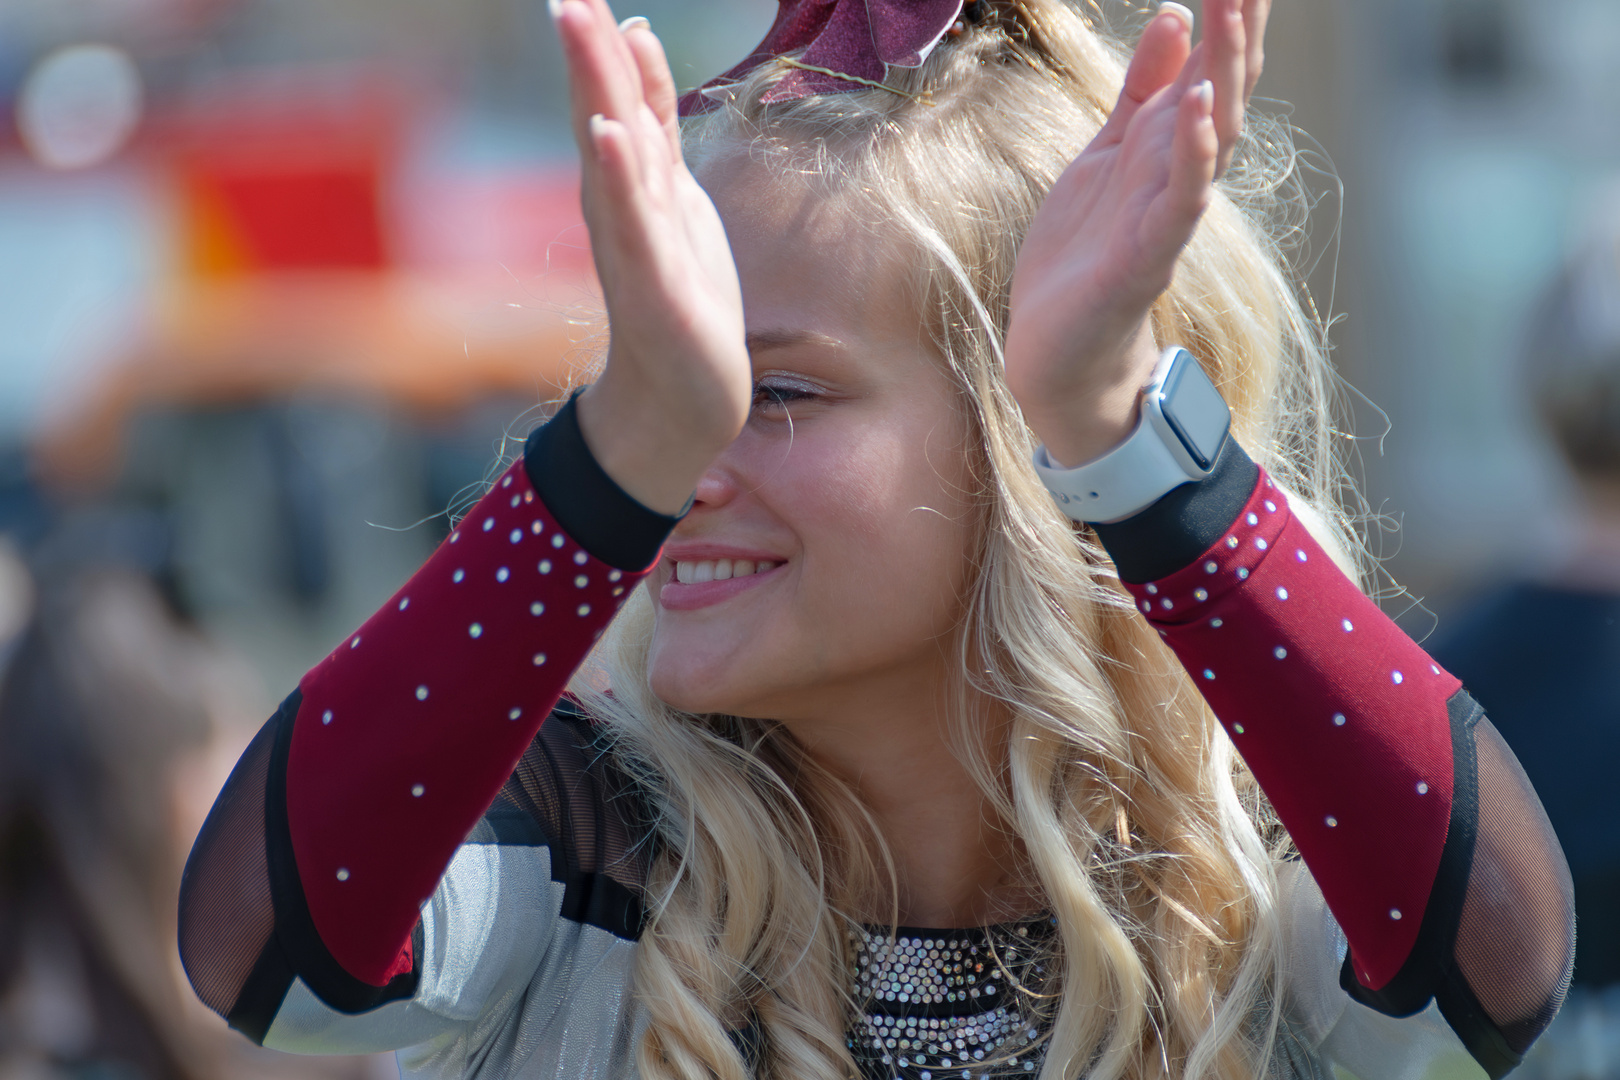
(678, 385)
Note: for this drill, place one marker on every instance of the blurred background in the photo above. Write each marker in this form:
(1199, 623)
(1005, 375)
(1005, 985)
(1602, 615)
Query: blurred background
(281, 279)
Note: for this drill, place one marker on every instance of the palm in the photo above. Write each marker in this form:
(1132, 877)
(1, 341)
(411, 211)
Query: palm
(677, 384)
(1105, 242)
(1101, 236)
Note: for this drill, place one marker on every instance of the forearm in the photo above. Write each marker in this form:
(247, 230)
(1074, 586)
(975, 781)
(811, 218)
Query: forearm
(397, 742)
(1340, 716)
(1365, 746)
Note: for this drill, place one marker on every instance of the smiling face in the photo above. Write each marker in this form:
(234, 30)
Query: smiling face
(848, 494)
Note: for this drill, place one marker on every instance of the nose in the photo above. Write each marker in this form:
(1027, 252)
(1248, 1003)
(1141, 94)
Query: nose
(715, 488)
(722, 481)
(739, 470)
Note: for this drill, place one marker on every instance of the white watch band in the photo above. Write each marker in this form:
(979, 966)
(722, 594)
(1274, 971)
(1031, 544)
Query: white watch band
(1136, 473)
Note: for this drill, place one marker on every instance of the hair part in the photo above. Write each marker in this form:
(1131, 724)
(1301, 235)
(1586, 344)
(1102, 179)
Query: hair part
(1140, 830)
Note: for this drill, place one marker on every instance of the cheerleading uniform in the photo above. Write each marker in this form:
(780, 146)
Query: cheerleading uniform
(407, 858)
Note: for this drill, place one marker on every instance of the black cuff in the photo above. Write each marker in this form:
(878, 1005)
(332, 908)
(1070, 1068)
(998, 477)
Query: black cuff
(585, 501)
(1182, 525)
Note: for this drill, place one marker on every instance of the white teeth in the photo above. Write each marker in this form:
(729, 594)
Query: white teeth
(695, 573)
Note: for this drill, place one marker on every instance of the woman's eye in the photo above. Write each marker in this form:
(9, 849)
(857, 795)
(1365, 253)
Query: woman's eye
(780, 395)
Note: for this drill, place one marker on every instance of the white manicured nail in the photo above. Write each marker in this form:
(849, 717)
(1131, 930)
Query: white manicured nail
(555, 7)
(598, 124)
(1206, 93)
(1181, 11)
(634, 22)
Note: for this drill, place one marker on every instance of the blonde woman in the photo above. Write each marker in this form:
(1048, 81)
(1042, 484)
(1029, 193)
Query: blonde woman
(887, 767)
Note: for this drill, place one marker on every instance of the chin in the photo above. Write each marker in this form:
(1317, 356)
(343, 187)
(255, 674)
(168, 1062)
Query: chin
(681, 682)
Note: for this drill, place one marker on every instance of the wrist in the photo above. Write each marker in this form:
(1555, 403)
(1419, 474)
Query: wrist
(641, 448)
(1081, 423)
(1183, 426)
(1084, 433)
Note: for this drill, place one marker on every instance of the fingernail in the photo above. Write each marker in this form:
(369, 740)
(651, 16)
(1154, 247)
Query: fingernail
(597, 124)
(555, 7)
(1180, 11)
(1206, 93)
(634, 22)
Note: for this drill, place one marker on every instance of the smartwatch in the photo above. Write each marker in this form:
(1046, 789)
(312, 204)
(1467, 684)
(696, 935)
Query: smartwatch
(1184, 425)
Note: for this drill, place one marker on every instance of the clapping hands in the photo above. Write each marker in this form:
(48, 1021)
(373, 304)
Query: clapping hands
(1101, 250)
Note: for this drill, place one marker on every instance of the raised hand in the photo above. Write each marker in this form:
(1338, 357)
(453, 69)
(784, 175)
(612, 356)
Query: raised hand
(677, 385)
(1105, 242)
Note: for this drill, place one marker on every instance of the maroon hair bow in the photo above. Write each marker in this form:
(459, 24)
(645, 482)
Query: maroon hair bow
(856, 39)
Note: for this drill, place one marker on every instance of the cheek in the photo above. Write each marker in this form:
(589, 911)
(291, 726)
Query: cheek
(885, 535)
(881, 531)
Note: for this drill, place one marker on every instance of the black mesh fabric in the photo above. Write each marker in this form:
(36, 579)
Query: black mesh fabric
(226, 914)
(1515, 939)
(1496, 946)
(236, 954)
(568, 783)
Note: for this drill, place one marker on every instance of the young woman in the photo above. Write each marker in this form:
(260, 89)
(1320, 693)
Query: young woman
(888, 767)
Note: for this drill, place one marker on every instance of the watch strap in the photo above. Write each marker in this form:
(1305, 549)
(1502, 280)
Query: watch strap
(1125, 481)
(1155, 458)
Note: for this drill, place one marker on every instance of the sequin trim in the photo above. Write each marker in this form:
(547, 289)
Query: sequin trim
(950, 1004)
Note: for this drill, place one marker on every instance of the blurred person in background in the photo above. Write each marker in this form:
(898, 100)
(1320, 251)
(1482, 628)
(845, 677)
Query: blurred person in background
(96, 710)
(118, 721)
(1542, 653)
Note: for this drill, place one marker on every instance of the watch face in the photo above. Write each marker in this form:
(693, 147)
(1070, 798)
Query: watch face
(1195, 409)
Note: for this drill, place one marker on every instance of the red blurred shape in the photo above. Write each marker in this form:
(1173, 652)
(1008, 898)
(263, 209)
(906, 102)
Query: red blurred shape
(304, 215)
(285, 172)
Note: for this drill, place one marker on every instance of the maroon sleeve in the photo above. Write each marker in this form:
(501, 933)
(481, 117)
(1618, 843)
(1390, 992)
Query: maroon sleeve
(1429, 845)
(339, 819)
(409, 728)
(1342, 718)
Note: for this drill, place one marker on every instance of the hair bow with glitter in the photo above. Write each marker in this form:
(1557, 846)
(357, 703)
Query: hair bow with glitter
(846, 43)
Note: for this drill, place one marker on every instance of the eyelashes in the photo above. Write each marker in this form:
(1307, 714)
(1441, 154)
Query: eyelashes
(780, 393)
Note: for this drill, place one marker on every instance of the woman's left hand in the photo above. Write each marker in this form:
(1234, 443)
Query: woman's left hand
(1105, 242)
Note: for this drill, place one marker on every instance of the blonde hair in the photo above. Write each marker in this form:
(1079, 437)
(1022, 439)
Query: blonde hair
(1138, 824)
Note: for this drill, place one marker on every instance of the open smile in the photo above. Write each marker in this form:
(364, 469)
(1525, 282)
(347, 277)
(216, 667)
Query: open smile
(700, 583)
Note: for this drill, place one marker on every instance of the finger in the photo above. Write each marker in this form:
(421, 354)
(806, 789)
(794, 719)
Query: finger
(602, 76)
(1160, 55)
(618, 221)
(658, 84)
(1174, 213)
(1255, 15)
(1224, 60)
(614, 39)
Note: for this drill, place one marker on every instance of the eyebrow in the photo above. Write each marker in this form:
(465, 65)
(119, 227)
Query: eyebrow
(761, 340)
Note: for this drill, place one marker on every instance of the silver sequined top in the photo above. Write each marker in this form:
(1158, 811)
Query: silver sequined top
(513, 989)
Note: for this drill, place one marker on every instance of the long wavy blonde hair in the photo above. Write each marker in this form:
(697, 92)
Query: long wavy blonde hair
(1138, 827)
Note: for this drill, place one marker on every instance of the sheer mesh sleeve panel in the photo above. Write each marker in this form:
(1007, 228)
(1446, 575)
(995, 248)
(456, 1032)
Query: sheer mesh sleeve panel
(226, 913)
(568, 785)
(1496, 947)
(1515, 939)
